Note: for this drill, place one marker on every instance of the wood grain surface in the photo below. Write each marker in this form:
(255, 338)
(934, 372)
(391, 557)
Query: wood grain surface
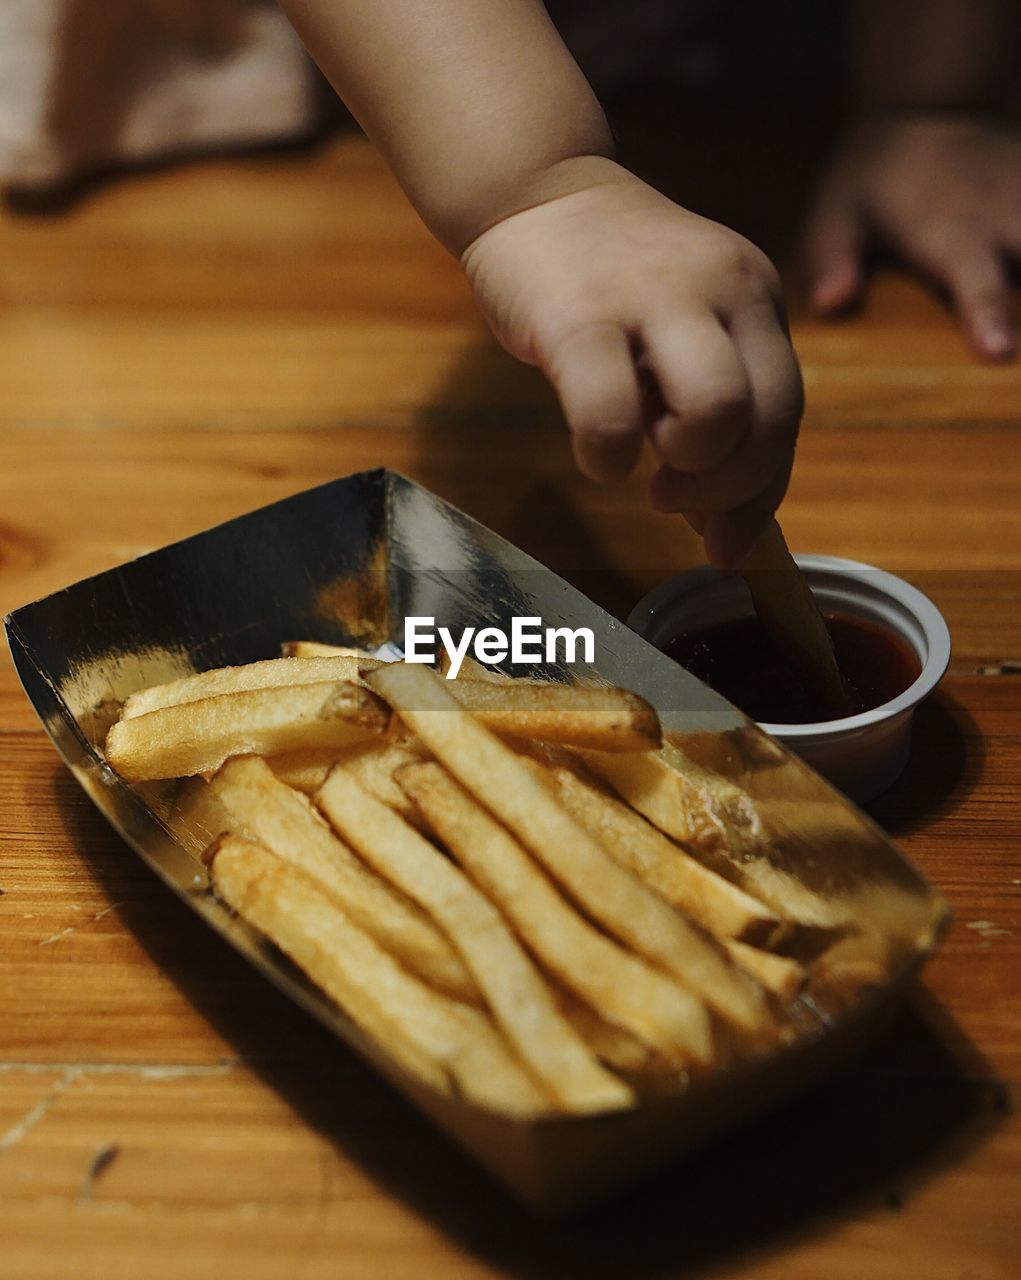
(183, 346)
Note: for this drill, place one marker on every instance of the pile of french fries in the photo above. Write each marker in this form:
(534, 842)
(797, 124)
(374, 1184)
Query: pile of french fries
(503, 883)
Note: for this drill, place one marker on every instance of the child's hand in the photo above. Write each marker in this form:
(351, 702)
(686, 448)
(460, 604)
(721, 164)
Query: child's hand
(652, 321)
(946, 193)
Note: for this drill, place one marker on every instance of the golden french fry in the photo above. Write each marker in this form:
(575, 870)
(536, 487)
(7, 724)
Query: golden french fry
(826, 824)
(779, 974)
(790, 615)
(860, 959)
(516, 994)
(306, 768)
(623, 987)
(715, 903)
(372, 763)
(612, 896)
(375, 770)
(603, 719)
(196, 737)
(269, 674)
(472, 669)
(305, 925)
(315, 649)
(616, 1047)
(697, 958)
(679, 796)
(429, 1034)
(716, 821)
(285, 821)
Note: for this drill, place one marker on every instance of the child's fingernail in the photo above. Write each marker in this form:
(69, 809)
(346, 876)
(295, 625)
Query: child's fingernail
(998, 340)
(832, 291)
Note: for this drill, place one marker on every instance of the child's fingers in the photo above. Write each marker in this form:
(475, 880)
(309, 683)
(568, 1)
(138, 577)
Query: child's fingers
(729, 538)
(834, 254)
(594, 375)
(730, 535)
(978, 281)
(726, 489)
(970, 267)
(776, 403)
(704, 385)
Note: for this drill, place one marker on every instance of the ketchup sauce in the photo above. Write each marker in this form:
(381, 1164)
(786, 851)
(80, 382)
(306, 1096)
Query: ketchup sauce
(742, 663)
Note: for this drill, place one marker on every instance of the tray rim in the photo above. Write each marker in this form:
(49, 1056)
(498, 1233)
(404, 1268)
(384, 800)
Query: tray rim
(90, 770)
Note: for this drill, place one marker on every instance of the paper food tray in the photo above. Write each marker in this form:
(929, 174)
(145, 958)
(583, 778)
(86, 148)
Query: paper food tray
(345, 563)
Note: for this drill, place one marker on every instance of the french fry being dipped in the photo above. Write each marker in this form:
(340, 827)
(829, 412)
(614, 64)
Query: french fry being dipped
(788, 611)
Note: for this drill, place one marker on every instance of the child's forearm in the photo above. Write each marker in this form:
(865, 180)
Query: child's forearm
(934, 55)
(476, 104)
(579, 267)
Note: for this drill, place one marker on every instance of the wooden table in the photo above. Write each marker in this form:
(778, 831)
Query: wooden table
(191, 344)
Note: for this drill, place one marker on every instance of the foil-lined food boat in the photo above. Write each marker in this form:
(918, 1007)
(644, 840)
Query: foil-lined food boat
(345, 564)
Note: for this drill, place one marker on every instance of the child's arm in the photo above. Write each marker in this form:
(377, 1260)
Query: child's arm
(579, 267)
(929, 165)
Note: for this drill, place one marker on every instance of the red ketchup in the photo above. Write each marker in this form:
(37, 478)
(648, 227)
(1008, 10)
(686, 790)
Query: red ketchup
(740, 661)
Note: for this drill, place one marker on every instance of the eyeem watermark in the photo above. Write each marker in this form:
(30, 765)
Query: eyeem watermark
(529, 642)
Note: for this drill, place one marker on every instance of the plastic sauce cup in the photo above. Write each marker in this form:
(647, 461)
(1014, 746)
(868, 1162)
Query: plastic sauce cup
(861, 754)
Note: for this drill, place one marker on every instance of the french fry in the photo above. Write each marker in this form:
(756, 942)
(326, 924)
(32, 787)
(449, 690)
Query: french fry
(858, 960)
(472, 669)
(429, 1034)
(678, 796)
(605, 719)
(616, 1047)
(375, 769)
(624, 906)
(306, 768)
(269, 674)
(516, 994)
(717, 822)
(602, 719)
(303, 923)
(316, 649)
(372, 763)
(623, 987)
(196, 737)
(789, 613)
(707, 968)
(779, 974)
(285, 821)
(715, 903)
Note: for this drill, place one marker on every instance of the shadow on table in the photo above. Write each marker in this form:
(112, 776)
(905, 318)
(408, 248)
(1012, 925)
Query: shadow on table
(511, 469)
(947, 759)
(915, 1103)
